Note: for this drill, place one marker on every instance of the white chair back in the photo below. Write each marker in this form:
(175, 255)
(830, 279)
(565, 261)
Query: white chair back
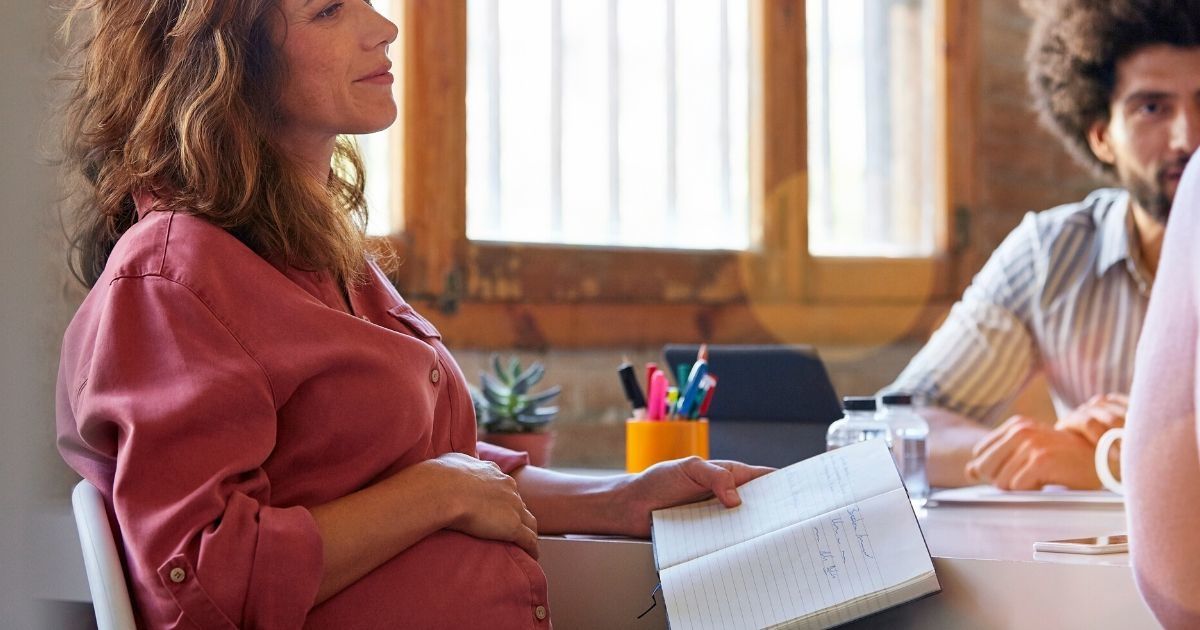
(106, 578)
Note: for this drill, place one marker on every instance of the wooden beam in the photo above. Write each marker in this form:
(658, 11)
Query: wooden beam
(435, 141)
(779, 150)
(960, 30)
(542, 326)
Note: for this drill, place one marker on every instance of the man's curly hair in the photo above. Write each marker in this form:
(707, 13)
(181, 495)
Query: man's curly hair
(1073, 54)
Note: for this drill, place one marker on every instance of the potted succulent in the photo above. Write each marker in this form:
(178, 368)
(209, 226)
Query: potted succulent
(509, 414)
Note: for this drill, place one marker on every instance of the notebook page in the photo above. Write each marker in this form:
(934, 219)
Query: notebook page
(805, 489)
(913, 589)
(851, 555)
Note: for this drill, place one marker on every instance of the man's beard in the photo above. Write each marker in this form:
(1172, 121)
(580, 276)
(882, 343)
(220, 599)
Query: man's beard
(1151, 194)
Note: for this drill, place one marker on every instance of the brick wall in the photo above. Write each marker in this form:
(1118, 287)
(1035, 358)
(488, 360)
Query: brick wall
(1018, 166)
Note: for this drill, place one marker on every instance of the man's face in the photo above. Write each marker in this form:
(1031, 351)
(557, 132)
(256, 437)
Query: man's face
(1154, 124)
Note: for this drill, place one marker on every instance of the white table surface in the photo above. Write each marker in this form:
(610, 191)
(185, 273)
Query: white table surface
(983, 556)
(1007, 532)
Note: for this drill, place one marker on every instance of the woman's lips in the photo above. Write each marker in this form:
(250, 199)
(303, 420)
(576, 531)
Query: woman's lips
(380, 75)
(385, 78)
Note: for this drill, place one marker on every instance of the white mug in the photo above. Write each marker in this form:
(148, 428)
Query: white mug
(1102, 469)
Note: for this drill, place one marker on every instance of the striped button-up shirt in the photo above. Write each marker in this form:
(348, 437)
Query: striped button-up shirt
(1064, 294)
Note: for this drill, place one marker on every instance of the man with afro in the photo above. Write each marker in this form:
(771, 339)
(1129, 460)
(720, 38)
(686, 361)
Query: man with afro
(1065, 294)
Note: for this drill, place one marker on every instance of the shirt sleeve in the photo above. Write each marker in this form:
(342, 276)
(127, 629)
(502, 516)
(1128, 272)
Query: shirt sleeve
(1161, 457)
(508, 461)
(981, 357)
(196, 420)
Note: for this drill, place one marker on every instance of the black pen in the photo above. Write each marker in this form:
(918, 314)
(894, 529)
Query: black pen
(633, 391)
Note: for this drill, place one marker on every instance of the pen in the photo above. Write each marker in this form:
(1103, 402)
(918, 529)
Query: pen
(711, 380)
(651, 367)
(688, 398)
(633, 391)
(672, 396)
(681, 375)
(656, 405)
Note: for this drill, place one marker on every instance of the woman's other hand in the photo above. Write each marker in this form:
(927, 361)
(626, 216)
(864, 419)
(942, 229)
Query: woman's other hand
(681, 481)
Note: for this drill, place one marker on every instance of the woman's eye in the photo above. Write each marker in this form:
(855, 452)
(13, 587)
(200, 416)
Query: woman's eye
(330, 10)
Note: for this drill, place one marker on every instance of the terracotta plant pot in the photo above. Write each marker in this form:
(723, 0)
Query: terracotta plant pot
(538, 445)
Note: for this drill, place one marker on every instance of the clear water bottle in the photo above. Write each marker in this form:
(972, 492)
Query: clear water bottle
(857, 425)
(909, 434)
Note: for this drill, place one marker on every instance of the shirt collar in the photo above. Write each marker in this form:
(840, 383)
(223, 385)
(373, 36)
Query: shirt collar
(1114, 232)
(1117, 242)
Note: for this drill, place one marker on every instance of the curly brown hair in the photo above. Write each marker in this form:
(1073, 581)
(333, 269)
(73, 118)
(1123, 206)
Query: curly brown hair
(1073, 54)
(180, 98)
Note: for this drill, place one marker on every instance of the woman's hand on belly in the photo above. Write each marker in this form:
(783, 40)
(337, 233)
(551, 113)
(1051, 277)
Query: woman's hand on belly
(485, 502)
(364, 529)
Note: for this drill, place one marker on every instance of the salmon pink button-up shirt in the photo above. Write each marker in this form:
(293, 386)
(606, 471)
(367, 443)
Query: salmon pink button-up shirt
(213, 398)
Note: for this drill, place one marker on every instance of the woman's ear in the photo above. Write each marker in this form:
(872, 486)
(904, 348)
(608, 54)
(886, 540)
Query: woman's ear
(1097, 138)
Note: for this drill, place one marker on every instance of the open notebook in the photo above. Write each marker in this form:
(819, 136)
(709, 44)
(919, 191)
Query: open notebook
(819, 543)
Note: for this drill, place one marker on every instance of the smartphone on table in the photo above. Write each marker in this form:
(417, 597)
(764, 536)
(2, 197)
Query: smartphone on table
(1115, 543)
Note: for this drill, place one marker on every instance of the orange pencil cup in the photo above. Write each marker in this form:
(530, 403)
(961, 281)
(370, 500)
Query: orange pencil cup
(648, 442)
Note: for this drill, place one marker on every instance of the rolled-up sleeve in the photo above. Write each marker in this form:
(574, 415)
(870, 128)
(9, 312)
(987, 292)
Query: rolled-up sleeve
(195, 417)
(984, 353)
(508, 460)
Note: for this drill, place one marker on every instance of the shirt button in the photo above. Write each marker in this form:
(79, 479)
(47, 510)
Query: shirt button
(540, 612)
(178, 575)
(435, 376)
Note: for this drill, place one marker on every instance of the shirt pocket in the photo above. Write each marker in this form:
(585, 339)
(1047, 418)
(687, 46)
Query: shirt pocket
(416, 324)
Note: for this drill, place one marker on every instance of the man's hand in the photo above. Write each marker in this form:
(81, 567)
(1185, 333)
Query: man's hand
(1023, 454)
(1097, 415)
(687, 480)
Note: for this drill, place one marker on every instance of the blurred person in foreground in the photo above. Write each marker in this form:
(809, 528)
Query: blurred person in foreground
(1162, 454)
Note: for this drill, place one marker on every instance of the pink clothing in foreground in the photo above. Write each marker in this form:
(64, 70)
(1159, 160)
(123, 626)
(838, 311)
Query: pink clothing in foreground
(1161, 458)
(213, 398)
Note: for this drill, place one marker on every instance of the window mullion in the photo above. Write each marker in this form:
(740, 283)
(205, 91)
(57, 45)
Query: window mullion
(672, 123)
(492, 46)
(825, 145)
(556, 118)
(878, 116)
(614, 122)
(723, 97)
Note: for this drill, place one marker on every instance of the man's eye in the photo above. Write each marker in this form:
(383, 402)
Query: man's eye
(330, 10)
(1151, 108)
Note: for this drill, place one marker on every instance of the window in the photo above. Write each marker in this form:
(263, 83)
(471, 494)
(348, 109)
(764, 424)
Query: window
(546, 280)
(871, 102)
(600, 122)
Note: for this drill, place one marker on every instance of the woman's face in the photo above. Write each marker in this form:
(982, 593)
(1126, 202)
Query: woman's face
(338, 74)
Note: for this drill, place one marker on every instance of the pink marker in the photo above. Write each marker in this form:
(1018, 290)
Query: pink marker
(657, 403)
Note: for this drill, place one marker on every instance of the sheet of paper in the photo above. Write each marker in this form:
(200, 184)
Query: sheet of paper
(842, 562)
(990, 494)
(806, 489)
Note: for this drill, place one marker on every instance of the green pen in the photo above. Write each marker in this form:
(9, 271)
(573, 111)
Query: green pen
(681, 375)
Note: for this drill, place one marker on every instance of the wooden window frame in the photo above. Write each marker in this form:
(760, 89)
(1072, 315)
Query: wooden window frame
(492, 294)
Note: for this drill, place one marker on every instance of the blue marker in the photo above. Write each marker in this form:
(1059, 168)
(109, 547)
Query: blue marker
(690, 394)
